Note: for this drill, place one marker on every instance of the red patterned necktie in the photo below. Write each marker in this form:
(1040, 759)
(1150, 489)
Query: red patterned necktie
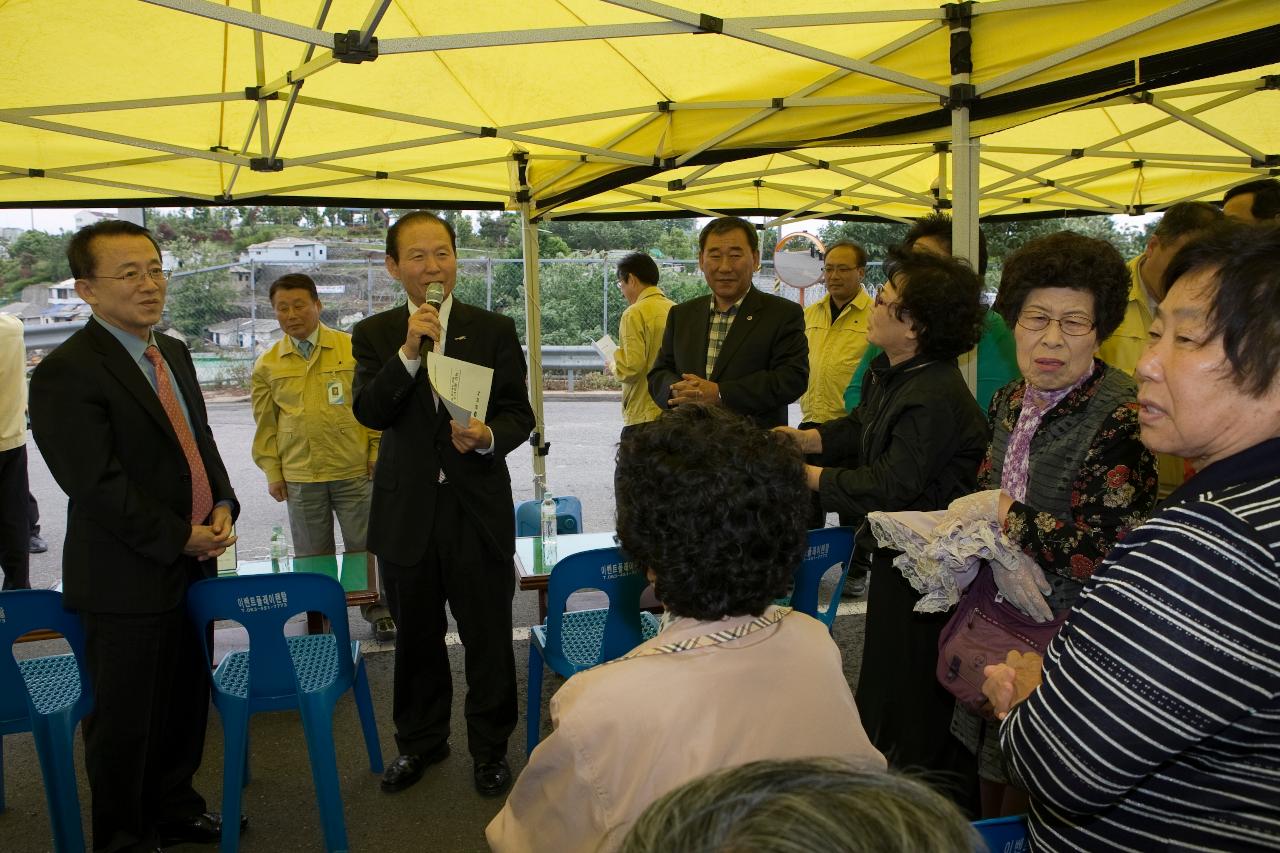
(201, 495)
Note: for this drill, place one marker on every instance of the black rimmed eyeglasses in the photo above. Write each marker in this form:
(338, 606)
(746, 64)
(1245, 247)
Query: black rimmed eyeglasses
(136, 276)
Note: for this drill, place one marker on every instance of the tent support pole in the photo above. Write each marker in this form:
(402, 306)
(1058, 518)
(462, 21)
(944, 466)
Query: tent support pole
(964, 166)
(533, 334)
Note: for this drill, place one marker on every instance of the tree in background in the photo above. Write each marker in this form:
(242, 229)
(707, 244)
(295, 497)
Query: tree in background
(34, 258)
(1003, 237)
(196, 302)
(578, 301)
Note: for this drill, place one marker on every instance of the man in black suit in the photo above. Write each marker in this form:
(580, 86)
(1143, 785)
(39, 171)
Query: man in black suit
(442, 521)
(736, 347)
(118, 416)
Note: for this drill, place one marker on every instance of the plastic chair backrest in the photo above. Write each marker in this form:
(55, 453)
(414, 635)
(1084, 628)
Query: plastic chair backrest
(23, 611)
(262, 604)
(568, 516)
(613, 573)
(1003, 834)
(826, 547)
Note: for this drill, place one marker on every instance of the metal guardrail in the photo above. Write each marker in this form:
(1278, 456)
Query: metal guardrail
(570, 360)
(50, 335)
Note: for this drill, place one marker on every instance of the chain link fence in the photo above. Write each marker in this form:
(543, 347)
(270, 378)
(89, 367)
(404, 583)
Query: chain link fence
(225, 312)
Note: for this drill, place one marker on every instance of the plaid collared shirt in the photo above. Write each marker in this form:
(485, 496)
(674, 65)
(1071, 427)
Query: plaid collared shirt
(721, 321)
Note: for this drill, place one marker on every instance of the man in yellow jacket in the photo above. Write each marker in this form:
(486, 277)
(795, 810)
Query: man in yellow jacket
(837, 331)
(308, 443)
(640, 336)
(15, 526)
(1180, 223)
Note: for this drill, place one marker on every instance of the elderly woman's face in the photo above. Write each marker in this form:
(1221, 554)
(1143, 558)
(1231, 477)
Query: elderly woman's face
(1055, 355)
(885, 329)
(1190, 405)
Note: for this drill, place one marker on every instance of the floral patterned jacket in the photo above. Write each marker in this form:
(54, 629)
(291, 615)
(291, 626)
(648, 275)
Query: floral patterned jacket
(1114, 491)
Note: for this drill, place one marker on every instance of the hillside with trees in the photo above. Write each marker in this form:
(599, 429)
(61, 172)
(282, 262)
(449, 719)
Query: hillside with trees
(580, 301)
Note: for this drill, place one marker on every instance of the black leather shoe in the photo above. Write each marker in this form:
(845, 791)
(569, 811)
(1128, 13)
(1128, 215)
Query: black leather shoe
(408, 768)
(493, 778)
(201, 829)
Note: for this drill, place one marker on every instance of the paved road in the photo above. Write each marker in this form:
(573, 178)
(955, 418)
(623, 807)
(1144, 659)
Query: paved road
(583, 435)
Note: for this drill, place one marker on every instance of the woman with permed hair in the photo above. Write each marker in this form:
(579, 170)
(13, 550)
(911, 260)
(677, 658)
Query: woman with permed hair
(1065, 475)
(713, 508)
(913, 443)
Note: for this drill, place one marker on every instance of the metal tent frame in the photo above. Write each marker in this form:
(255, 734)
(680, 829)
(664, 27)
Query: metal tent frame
(632, 107)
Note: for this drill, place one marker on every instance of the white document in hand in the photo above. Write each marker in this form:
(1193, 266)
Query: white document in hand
(607, 349)
(463, 387)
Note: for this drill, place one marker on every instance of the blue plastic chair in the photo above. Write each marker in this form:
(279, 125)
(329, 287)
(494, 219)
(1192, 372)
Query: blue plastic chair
(570, 642)
(568, 516)
(1003, 834)
(46, 696)
(827, 547)
(277, 672)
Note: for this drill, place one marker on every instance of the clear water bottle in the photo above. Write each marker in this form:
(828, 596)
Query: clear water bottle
(548, 531)
(279, 550)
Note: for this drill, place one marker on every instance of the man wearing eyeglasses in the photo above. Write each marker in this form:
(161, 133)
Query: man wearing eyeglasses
(639, 336)
(836, 328)
(118, 416)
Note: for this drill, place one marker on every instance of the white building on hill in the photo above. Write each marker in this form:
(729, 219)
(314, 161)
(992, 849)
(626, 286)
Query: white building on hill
(286, 250)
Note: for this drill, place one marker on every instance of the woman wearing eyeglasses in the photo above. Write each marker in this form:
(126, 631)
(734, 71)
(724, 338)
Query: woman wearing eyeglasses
(1065, 452)
(913, 443)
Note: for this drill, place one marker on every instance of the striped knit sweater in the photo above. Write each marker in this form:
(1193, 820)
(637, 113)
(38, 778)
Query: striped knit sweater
(1157, 726)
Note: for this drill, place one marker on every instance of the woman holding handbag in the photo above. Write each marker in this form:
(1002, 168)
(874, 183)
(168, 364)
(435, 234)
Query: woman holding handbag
(1071, 473)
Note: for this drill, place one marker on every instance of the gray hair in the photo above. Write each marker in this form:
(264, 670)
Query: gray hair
(799, 806)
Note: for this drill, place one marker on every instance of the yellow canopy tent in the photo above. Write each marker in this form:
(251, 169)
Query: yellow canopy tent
(538, 105)
(1131, 154)
(452, 104)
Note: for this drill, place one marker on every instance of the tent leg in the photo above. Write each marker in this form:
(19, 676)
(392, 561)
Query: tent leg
(964, 170)
(533, 334)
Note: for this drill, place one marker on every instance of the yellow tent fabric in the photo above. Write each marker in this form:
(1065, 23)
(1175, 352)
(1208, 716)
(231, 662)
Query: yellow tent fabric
(1128, 155)
(551, 101)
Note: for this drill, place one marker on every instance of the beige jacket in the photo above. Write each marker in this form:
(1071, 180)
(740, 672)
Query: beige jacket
(631, 730)
(13, 383)
(640, 337)
(306, 431)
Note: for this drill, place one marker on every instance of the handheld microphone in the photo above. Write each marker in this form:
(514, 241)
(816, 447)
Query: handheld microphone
(435, 298)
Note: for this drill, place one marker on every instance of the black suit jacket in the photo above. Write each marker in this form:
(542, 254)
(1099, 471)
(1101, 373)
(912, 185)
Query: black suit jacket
(416, 442)
(763, 364)
(110, 446)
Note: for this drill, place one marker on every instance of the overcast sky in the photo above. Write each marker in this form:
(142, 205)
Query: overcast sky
(51, 221)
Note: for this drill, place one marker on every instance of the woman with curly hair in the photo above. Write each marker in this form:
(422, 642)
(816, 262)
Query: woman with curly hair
(1065, 453)
(913, 443)
(714, 509)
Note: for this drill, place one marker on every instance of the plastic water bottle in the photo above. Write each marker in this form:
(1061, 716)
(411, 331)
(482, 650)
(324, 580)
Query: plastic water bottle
(279, 550)
(549, 556)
